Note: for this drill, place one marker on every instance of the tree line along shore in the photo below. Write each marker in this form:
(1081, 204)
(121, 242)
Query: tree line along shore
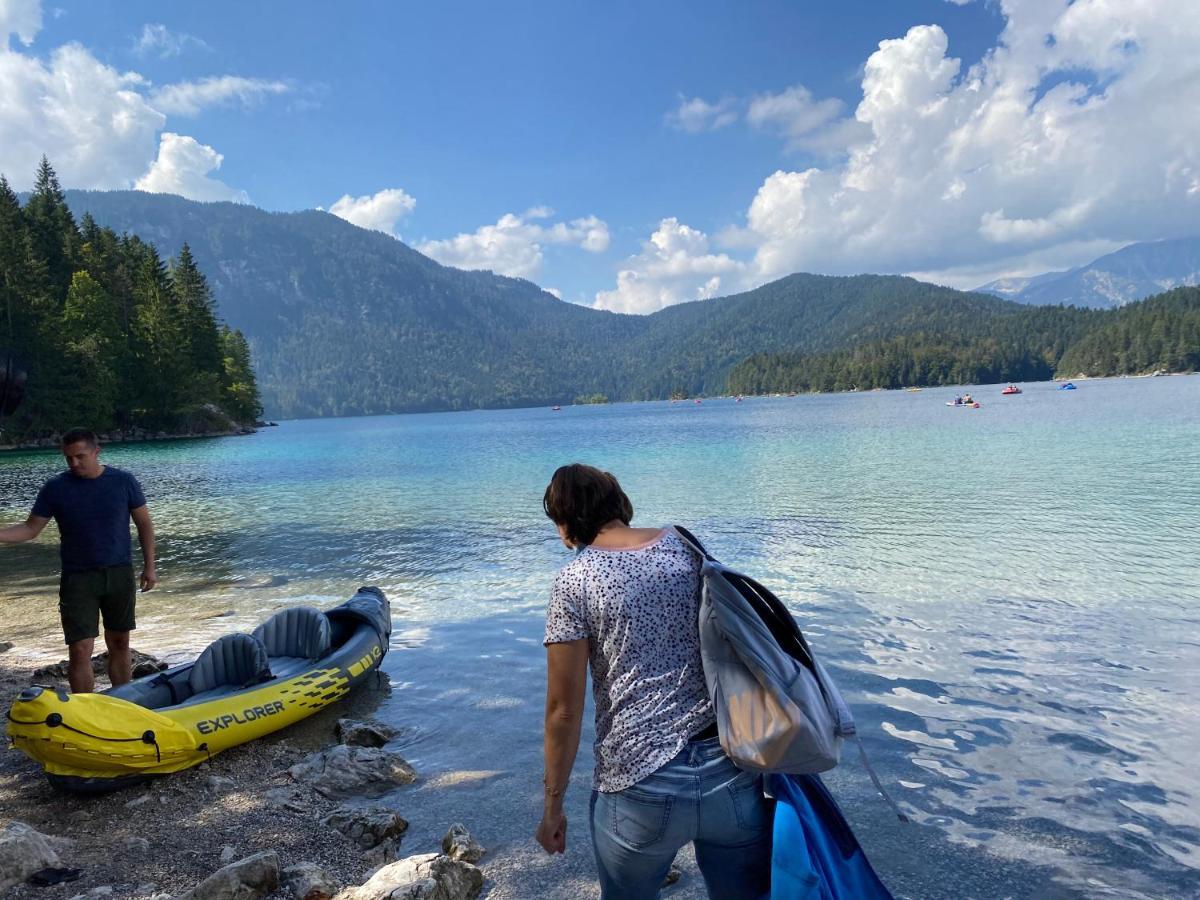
(1158, 334)
(110, 336)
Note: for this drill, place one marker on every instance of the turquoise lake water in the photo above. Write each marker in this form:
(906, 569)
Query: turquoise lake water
(1009, 597)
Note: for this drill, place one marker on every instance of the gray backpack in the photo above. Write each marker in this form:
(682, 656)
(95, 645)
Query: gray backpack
(777, 708)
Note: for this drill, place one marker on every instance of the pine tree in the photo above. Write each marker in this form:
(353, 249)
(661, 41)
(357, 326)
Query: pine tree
(240, 387)
(198, 323)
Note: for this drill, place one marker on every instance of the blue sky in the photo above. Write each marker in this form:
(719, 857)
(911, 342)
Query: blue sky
(635, 155)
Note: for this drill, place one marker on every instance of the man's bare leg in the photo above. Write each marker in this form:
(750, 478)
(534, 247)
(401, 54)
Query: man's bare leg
(79, 666)
(120, 666)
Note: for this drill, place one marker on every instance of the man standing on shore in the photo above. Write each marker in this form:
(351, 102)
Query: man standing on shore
(92, 505)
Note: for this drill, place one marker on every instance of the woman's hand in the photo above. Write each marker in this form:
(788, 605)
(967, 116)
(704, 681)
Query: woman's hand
(552, 832)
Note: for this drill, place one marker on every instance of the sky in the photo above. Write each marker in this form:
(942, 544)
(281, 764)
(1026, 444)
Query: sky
(630, 156)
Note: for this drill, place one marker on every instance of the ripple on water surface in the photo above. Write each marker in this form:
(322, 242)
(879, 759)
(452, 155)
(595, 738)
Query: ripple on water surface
(1009, 598)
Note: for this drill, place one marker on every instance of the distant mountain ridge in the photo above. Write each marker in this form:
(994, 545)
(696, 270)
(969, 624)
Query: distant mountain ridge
(345, 321)
(1129, 274)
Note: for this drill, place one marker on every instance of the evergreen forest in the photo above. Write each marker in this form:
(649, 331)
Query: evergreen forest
(110, 335)
(1160, 333)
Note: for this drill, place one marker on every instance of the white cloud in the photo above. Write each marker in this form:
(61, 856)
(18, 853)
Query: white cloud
(379, 212)
(90, 120)
(182, 168)
(808, 123)
(187, 98)
(22, 18)
(696, 114)
(1080, 128)
(158, 40)
(100, 127)
(675, 265)
(514, 245)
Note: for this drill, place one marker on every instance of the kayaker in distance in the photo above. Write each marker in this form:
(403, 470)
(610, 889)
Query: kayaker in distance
(92, 504)
(628, 604)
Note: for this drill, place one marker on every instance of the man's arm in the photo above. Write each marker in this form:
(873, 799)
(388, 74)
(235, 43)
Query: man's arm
(145, 530)
(566, 681)
(27, 531)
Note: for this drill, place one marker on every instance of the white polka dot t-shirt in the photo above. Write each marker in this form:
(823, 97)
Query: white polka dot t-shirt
(638, 610)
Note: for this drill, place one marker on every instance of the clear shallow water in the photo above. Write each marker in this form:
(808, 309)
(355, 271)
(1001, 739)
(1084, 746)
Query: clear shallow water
(1009, 596)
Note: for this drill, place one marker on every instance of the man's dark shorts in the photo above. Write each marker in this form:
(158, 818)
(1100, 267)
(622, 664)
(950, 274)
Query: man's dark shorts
(84, 596)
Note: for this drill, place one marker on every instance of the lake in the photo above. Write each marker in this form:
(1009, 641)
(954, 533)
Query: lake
(1009, 598)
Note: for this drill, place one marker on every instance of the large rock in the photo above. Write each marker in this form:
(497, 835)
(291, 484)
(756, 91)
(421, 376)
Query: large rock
(363, 734)
(143, 664)
(23, 851)
(458, 844)
(367, 826)
(245, 879)
(307, 881)
(429, 876)
(345, 771)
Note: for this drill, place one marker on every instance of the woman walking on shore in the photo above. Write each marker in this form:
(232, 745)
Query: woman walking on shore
(628, 605)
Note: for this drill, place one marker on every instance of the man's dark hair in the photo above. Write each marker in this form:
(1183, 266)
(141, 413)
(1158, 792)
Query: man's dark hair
(584, 499)
(75, 435)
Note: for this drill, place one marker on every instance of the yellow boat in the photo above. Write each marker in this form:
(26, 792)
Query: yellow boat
(242, 687)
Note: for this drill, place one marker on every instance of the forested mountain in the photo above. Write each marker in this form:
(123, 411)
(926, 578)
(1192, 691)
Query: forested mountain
(1131, 273)
(1038, 343)
(108, 334)
(345, 321)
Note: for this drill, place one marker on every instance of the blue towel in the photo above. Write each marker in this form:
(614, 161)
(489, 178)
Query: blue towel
(816, 856)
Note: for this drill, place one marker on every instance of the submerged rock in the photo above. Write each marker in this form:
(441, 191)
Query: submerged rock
(307, 881)
(428, 876)
(367, 826)
(363, 734)
(346, 771)
(23, 851)
(458, 844)
(245, 879)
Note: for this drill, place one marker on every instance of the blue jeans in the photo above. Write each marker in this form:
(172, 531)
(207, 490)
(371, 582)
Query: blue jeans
(698, 796)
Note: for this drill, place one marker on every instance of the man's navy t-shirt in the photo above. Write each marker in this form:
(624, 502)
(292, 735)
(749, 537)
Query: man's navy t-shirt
(92, 516)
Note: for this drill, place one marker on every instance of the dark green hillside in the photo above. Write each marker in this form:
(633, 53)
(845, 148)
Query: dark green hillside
(1037, 343)
(1159, 333)
(346, 321)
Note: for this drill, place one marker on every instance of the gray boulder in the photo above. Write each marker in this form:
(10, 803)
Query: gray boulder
(367, 826)
(306, 881)
(458, 844)
(363, 734)
(428, 876)
(245, 879)
(23, 851)
(346, 771)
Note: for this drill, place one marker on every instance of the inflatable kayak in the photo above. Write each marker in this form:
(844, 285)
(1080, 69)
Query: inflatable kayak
(242, 687)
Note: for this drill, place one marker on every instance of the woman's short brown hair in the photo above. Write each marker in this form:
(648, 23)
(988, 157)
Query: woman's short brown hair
(584, 499)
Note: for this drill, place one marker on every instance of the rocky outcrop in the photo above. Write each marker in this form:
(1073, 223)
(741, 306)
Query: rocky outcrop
(23, 851)
(367, 826)
(363, 734)
(245, 879)
(306, 881)
(428, 876)
(458, 844)
(345, 771)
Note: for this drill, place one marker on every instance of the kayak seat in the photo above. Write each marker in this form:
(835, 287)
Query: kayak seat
(231, 662)
(290, 666)
(298, 631)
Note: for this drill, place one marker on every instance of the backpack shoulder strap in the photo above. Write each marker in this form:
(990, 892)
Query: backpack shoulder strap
(692, 541)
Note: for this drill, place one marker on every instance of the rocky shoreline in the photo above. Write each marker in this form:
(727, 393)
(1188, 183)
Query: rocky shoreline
(314, 815)
(139, 435)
